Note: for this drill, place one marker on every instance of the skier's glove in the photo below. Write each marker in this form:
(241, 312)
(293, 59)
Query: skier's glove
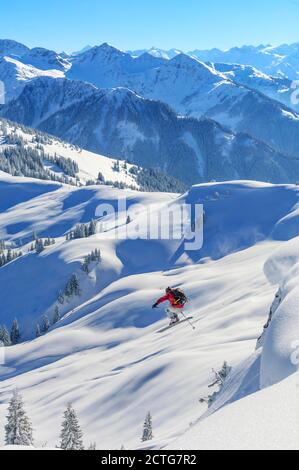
(155, 306)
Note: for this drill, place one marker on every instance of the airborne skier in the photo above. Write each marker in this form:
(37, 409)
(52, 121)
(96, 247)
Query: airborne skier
(177, 300)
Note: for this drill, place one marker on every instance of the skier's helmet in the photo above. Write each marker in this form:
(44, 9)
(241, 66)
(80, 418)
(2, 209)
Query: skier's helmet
(169, 289)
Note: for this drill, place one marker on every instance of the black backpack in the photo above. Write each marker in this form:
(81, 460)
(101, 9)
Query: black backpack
(179, 296)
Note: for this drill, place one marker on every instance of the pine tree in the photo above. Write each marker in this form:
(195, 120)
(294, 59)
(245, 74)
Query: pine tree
(38, 331)
(9, 256)
(39, 246)
(56, 315)
(147, 428)
(75, 286)
(72, 286)
(92, 229)
(15, 332)
(45, 324)
(18, 430)
(97, 255)
(60, 297)
(85, 265)
(5, 336)
(71, 434)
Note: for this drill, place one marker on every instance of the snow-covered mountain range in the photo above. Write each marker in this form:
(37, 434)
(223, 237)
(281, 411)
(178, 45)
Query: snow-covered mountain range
(119, 123)
(279, 60)
(77, 98)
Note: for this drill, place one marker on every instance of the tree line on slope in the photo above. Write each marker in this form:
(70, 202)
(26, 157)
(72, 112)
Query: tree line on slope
(19, 432)
(18, 159)
(30, 162)
(7, 254)
(148, 179)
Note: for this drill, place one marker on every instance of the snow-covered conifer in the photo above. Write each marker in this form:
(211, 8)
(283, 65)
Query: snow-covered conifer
(15, 332)
(39, 246)
(56, 315)
(71, 434)
(18, 429)
(45, 324)
(147, 428)
(4, 336)
(38, 331)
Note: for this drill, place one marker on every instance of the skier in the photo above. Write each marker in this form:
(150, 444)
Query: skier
(177, 300)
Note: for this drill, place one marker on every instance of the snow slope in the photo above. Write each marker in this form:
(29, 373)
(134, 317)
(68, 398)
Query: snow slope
(277, 88)
(105, 355)
(270, 376)
(266, 420)
(280, 356)
(15, 75)
(89, 164)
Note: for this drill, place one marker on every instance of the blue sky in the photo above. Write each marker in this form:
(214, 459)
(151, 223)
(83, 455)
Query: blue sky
(71, 24)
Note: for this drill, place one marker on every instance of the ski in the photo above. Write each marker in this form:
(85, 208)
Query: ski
(174, 325)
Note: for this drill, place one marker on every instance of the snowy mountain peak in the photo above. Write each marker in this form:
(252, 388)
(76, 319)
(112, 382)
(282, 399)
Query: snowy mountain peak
(10, 47)
(45, 59)
(84, 49)
(189, 63)
(99, 52)
(122, 93)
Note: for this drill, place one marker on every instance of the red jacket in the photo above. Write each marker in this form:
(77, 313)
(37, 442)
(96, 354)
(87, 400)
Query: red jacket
(171, 298)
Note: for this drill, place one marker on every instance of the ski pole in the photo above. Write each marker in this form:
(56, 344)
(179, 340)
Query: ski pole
(191, 324)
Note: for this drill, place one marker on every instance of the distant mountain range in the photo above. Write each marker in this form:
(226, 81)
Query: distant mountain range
(280, 60)
(194, 120)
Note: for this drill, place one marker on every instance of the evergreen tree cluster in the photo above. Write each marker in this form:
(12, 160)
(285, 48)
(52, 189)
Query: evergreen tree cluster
(116, 166)
(151, 180)
(26, 161)
(93, 257)
(9, 256)
(148, 179)
(67, 165)
(9, 338)
(19, 159)
(19, 432)
(2, 246)
(71, 289)
(39, 245)
(82, 231)
(45, 324)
